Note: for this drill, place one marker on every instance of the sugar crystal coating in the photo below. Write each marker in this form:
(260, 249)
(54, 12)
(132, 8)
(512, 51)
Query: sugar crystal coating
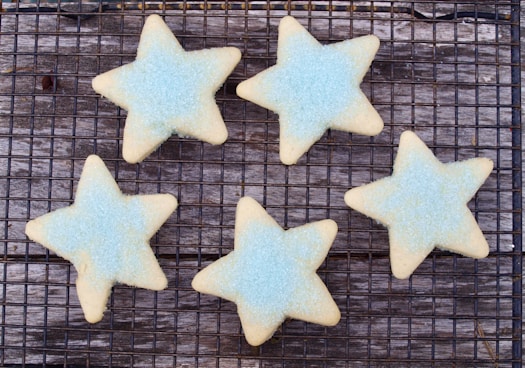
(105, 234)
(314, 87)
(424, 205)
(168, 90)
(270, 274)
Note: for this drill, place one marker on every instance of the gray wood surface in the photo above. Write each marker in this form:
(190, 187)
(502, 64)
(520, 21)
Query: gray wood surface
(449, 81)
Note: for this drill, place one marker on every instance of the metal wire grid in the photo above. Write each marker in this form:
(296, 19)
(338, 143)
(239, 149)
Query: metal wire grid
(454, 80)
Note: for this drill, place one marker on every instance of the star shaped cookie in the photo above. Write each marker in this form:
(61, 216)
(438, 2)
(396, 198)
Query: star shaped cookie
(424, 205)
(314, 87)
(105, 234)
(271, 273)
(168, 90)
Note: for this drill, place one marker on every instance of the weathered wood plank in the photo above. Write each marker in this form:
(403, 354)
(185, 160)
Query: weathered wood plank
(450, 81)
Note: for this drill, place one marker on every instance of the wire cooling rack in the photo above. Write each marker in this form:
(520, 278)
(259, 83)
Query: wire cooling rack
(448, 70)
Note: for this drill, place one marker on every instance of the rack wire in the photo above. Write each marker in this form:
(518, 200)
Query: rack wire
(448, 70)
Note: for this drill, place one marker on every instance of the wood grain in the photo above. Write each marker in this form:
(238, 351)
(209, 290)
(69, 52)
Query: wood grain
(448, 81)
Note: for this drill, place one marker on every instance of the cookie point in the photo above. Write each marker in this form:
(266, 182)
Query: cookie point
(131, 156)
(170, 201)
(93, 317)
(288, 19)
(31, 228)
(288, 161)
(289, 25)
(162, 284)
(401, 274)
(95, 83)
(93, 159)
(255, 341)
(220, 135)
(408, 134)
(376, 124)
(154, 18)
(330, 227)
(483, 251)
(235, 53)
(486, 165)
(198, 281)
(335, 317)
(242, 89)
(402, 269)
(195, 282)
(351, 198)
(246, 201)
(374, 41)
(288, 154)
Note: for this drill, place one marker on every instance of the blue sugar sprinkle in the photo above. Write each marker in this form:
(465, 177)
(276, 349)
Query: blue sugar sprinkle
(425, 204)
(266, 270)
(317, 85)
(166, 81)
(105, 228)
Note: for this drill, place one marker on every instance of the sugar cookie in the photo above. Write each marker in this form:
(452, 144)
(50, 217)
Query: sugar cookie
(168, 90)
(105, 234)
(424, 205)
(271, 273)
(314, 87)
